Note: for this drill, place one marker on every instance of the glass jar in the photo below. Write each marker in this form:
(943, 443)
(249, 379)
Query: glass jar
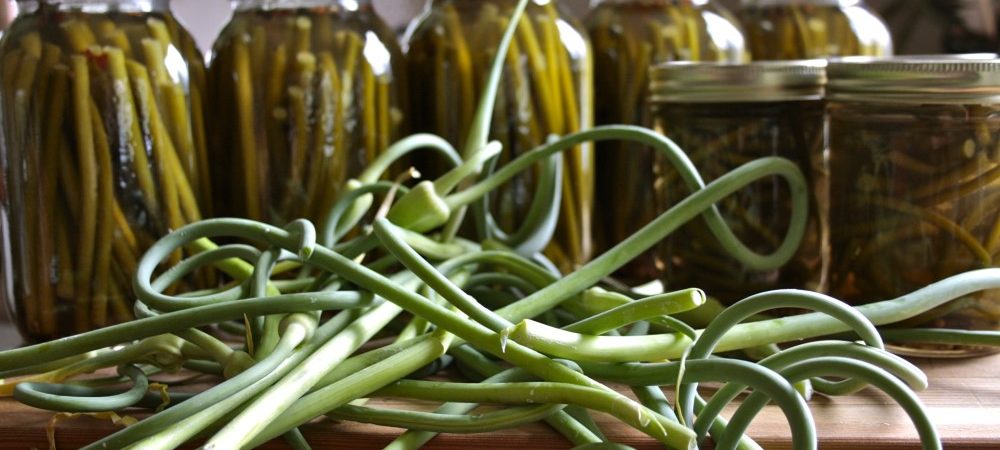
(546, 90)
(723, 116)
(913, 164)
(629, 36)
(797, 29)
(305, 94)
(103, 150)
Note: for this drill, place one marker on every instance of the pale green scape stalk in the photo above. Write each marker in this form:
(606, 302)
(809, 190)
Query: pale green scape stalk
(637, 311)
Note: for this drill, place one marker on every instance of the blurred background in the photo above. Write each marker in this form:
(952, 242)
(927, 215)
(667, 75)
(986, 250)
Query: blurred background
(918, 26)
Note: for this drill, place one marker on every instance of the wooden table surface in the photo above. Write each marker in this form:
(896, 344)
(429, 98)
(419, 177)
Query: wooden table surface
(963, 400)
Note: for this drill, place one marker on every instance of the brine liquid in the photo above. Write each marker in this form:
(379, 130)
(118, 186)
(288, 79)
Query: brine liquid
(719, 138)
(914, 197)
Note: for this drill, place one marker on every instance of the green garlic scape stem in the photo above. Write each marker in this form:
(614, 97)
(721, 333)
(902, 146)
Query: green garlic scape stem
(899, 368)
(479, 133)
(704, 345)
(234, 390)
(200, 414)
(290, 242)
(269, 233)
(648, 308)
(777, 388)
(466, 300)
(446, 423)
(426, 310)
(683, 165)
(560, 420)
(49, 396)
(164, 323)
(277, 398)
(846, 368)
(942, 336)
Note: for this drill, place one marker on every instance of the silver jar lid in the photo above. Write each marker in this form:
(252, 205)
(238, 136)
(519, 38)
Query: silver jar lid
(950, 79)
(764, 81)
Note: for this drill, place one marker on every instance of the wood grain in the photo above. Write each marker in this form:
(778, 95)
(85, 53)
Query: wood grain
(963, 400)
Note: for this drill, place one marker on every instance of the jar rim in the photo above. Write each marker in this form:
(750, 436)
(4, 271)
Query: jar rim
(921, 78)
(841, 3)
(97, 6)
(93, 2)
(349, 5)
(760, 81)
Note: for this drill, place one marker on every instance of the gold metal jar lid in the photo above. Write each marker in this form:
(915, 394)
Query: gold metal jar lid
(767, 3)
(764, 81)
(949, 79)
(350, 5)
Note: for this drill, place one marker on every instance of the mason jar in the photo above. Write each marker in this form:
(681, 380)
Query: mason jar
(796, 29)
(628, 37)
(724, 116)
(103, 145)
(546, 90)
(306, 93)
(915, 180)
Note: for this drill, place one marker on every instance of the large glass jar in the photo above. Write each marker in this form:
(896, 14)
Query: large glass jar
(796, 29)
(305, 93)
(914, 167)
(546, 90)
(103, 150)
(628, 37)
(723, 116)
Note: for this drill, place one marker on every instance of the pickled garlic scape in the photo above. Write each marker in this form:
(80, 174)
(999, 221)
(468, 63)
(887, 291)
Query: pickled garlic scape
(306, 94)
(799, 29)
